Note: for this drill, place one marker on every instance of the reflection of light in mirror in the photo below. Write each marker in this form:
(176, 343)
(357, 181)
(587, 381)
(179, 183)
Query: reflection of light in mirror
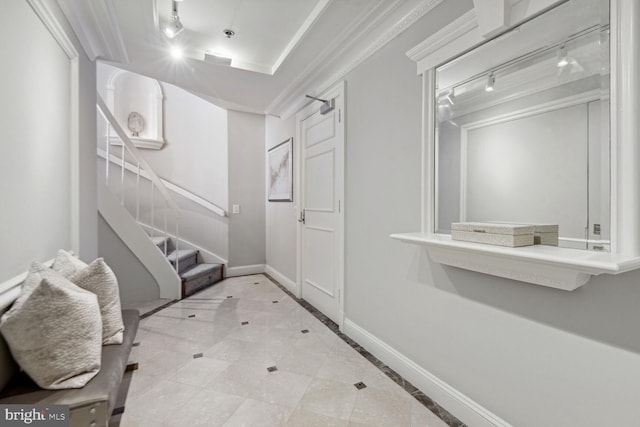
(563, 59)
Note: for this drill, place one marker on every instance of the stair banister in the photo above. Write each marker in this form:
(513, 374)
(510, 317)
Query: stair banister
(156, 182)
(126, 141)
(173, 188)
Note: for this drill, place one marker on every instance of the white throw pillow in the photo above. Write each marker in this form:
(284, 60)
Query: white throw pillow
(98, 278)
(67, 264)
(54, 331)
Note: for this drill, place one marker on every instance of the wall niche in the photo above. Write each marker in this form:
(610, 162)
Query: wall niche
(137, 103)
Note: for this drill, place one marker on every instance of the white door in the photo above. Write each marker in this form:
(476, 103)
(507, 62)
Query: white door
(322, 189)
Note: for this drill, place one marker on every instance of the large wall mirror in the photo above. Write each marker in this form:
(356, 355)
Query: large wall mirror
(522, 128)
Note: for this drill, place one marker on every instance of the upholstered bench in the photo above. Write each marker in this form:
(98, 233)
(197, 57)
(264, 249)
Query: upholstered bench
(96, 402)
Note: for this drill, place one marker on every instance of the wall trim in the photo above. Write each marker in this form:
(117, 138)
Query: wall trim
(292, 100)
(99, 41)
(52, 16)
(49, 19)
(464, 408)
(282, 279)
(466, 32)
(347, 37)
(171, 186)
(245, 270)
(449, 33)
(311, 19)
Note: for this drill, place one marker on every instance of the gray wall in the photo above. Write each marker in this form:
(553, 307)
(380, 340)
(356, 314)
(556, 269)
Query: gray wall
(532, 355)
(135, 282)
(281, 216)
(247, 189)
(39, 163)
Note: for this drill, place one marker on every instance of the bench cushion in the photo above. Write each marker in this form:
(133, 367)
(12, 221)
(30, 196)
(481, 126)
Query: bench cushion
(102, 389)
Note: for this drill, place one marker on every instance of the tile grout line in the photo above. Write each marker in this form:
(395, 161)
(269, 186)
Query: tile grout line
(422, 398)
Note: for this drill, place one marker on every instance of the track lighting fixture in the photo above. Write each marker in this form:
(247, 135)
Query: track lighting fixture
(173, 27)
(491, 81)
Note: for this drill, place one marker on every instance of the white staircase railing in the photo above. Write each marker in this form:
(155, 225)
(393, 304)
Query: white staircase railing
(129, 154)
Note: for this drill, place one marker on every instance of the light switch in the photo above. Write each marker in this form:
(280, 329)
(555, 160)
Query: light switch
(235, 209)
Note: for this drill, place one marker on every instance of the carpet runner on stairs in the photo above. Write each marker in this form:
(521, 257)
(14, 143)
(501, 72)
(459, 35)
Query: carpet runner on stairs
(195, 274)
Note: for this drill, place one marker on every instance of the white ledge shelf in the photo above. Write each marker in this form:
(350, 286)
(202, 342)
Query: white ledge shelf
(551, 266)
(148, 143)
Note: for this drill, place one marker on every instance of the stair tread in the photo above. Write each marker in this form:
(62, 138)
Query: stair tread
(199, 269)
(159, 240)
(181, 254)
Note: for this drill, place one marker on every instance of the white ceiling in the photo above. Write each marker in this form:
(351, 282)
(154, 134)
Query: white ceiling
(282, 49)
(265, 30)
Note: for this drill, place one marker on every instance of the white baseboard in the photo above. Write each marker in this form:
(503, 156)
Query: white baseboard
(244, 270)
(282, 279)
(464, 408)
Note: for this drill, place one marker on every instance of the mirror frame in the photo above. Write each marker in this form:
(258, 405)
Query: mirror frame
(555, 267)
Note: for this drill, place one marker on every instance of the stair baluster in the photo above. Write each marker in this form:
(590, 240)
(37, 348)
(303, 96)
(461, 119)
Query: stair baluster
(138, 193)
(194, 273)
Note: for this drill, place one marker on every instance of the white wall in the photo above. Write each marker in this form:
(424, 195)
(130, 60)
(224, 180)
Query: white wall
(47, 135)
(281, 216)
(531, 355)
(247, 189)
(195, 156)
(40, 212)
(135, 282)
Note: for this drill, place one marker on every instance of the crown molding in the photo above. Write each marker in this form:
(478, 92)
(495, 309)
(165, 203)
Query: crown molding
(96, 25)
(459, 28)
(306, 25)
(52, 20)
(296, 100)
(344, 40)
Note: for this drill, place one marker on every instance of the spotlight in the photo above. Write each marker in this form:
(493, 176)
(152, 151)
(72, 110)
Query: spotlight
(491, 81)
(563, 59)
(176, 52)
(173, 26)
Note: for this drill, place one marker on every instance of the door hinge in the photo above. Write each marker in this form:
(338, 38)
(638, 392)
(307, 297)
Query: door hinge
(339, 116)
(339, 206)
(301, 218)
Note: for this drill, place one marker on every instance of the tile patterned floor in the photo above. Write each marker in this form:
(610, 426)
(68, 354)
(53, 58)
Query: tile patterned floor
(236, 355)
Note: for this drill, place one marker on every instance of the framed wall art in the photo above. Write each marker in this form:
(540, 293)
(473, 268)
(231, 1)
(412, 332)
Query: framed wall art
(281, 172)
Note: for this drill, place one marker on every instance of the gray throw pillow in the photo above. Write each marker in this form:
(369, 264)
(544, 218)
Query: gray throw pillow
(67, 264)
(54, 331)
(98, 278)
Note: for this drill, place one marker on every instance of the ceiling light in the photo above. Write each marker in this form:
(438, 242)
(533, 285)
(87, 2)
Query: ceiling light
(491, 81)
(173, 26)
(563, 59)
(176, 52)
